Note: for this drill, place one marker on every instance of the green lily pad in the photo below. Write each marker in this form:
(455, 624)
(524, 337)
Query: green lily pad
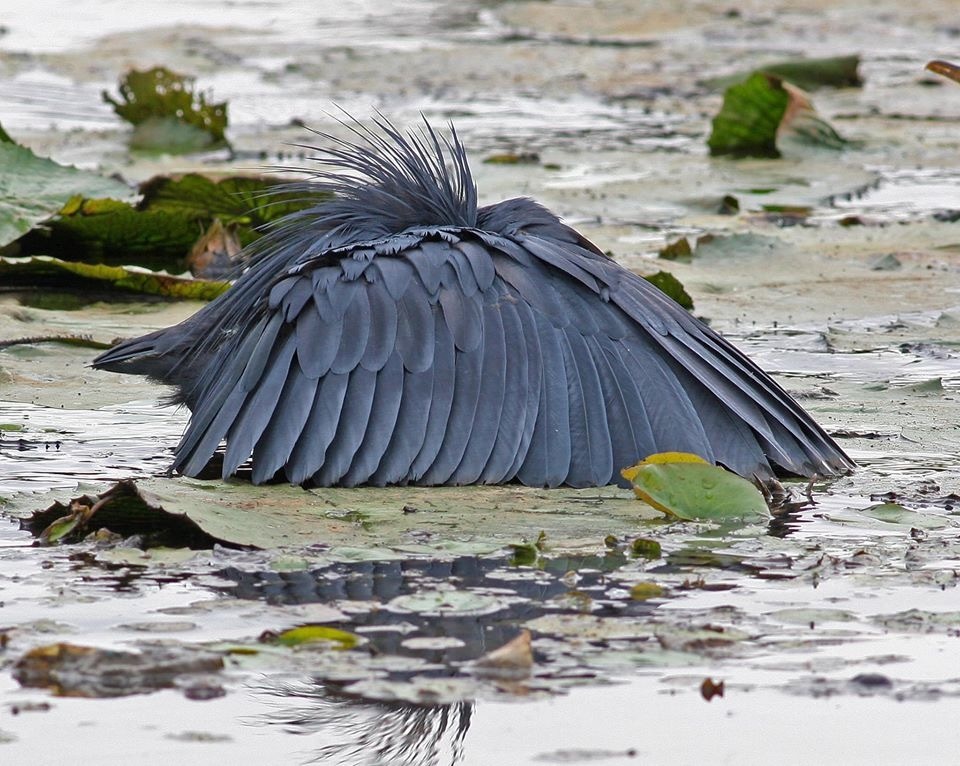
(42, 270)
(168, 113)
(894, 513)
(669, 284)
(759, 113)
(34, 188)
(249, 202)
(686, 487)
(109, 231)
(314, 634)
(809, 74)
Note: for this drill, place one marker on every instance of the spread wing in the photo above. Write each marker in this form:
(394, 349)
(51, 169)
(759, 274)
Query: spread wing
(475, 357)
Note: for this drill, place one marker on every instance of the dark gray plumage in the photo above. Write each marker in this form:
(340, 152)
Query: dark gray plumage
(398, 333)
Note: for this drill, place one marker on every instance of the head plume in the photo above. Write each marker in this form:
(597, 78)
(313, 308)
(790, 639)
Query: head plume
(387, 181)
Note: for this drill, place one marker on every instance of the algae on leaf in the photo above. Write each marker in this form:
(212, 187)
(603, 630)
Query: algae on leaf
(167, 113)
(109, 231)
(45, 271)
(762, 111)
(249, 202)
(669, 284)
(809, 74)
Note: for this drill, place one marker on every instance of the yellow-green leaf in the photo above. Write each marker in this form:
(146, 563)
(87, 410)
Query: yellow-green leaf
(308, 634)
(685, 486)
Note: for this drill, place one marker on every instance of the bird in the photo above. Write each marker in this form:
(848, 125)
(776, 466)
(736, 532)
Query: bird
(395, 332)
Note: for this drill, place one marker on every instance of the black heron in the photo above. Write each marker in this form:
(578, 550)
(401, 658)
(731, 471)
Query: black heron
(398, 333)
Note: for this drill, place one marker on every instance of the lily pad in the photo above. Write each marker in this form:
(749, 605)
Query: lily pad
(46, 271)
(894, 513)
(945, 68)
(34, 188)
(110, 231)
(451, 520)
(316, 634)
(759, 113)
(247, 201)
(685, 486)
(168, 113)
(671, 286)
(809, 74)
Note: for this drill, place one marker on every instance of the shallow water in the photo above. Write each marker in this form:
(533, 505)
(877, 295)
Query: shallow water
(832, 618)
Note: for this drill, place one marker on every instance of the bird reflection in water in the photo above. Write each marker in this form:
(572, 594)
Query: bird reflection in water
(351, 731)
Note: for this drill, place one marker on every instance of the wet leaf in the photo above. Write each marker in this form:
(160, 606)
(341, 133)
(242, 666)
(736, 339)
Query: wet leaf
(945, 68)
(46, 271)
(451, 520)
(645, 548)
(809, 74)
(311, 634)
(894, 513)
(760, 112)
(168, 114)
(35, 188)
(83, 671)
(642, 591)
(669, 284)
(512, 661)
(250, 202)
(109, 231)
(685, 486)
(123, 509)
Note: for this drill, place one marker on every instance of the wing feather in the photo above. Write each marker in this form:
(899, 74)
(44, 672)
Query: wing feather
(512, 418)
(381, 423)
(547, 462)
(445, 360)
(591, 456)
(351, 426)
(259, 407)
(284, 429)
(310, 450)
(488, 414)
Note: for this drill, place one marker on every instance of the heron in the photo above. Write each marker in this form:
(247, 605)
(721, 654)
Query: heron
(396, 332)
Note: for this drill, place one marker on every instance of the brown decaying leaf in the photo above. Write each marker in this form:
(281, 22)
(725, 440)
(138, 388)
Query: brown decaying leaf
(512, 661)
(710, 689)
(945, 68)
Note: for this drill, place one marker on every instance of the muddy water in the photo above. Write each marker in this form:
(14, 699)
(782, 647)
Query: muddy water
(833, 627)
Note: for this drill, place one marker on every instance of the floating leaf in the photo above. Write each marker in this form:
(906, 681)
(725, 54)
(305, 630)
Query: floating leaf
(512, 661)
(642, 591)
(54, 272)
(763, 110)
(250, 201)
(894, 513)
(169, 115)
(809, 74)
(34, 188)
(671, 286)
(945, 68)
(311, 634)
(685, 486)
(70, 670)
(125, 510)
(646, 548)
(109, 231)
